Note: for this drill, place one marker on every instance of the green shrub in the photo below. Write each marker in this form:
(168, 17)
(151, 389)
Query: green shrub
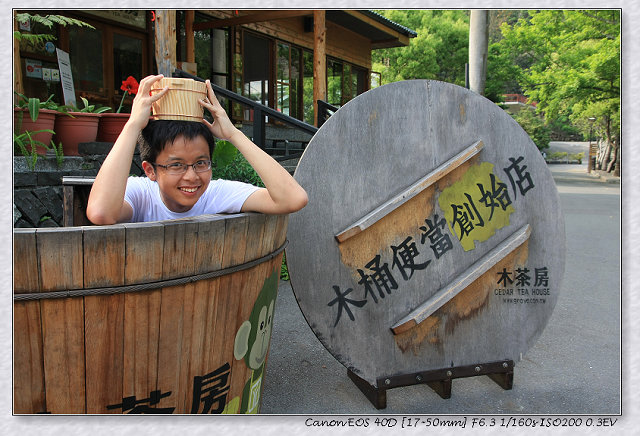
(229, 164)
(535, 127)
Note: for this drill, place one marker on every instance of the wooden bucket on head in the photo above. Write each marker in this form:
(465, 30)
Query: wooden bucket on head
(181, 101)
(158, 317)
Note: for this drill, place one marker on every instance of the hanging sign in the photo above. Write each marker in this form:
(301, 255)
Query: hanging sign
(66, 77)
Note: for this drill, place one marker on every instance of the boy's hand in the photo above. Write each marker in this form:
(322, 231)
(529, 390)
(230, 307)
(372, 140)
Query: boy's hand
(222, 127)
(142, 103)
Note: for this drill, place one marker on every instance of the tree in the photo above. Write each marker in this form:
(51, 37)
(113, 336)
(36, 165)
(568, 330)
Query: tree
(534, 126)
(439, 52)
(570, 65)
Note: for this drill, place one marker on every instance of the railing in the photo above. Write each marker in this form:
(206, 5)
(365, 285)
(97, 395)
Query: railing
(518, 98)
(325, 110)
(260, 112)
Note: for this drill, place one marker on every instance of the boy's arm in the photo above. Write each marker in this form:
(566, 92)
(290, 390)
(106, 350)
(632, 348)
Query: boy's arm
(106, 203)
(282, 194)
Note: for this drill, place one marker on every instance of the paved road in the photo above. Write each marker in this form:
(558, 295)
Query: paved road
(574, 368)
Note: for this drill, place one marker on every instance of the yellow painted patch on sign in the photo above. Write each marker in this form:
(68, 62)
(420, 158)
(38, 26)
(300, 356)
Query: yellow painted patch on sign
(476, 206)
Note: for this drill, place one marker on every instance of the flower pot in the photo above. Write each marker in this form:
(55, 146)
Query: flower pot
(110, 126)
(45, 120)
(81, 127)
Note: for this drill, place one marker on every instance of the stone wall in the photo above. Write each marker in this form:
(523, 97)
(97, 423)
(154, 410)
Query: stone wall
(37, 193)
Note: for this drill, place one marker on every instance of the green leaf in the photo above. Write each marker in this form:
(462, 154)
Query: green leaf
(223, 154)
(34, 108)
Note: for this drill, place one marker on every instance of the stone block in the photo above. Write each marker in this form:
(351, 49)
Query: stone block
(48, 223)
(16, 214)
(50, 178)
(24, 179)
(23, 224)
(29, 206)
(92, 148)
(50, 200)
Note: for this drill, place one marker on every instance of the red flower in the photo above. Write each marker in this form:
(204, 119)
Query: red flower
(130, 85)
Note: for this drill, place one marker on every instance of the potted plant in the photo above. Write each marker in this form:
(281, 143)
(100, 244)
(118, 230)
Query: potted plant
(80, 126)
(39, 123)
(111, 124)
(29, 146)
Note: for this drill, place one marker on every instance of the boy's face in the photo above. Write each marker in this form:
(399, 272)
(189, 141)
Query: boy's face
(180, 192)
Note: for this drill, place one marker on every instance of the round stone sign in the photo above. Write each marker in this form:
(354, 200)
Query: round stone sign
(433, 237)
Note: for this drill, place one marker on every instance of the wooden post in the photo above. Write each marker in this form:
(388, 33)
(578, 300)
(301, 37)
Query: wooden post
(319, 61)
(166, 41)
(189, 37)
(17, 64)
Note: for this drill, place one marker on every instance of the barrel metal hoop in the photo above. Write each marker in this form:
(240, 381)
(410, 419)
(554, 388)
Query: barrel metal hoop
(149, 286)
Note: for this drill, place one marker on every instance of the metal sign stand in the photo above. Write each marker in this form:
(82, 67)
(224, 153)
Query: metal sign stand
(439, 380)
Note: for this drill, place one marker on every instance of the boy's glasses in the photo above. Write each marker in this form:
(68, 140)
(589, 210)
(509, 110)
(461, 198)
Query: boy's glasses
(181, 168)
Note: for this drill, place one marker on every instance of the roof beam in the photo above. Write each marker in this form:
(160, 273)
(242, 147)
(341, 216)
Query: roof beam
(251, 18)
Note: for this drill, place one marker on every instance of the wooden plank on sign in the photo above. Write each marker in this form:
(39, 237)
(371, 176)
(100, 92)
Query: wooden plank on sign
(463, 280)
(60, 258)
(407, 194)
(25, 265)
(28, 361)
(64, 363)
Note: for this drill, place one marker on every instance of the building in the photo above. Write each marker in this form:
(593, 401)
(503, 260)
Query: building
(285, 59)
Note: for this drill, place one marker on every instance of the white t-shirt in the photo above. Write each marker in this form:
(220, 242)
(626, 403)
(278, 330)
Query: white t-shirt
(221, 196)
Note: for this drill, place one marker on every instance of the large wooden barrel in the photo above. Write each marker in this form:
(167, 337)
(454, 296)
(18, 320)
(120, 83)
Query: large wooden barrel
(162, 317)
(433, 243)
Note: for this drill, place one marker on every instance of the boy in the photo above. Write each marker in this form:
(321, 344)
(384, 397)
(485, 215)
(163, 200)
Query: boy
(177, 161)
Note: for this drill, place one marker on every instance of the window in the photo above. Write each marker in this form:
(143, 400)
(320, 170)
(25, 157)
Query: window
(127, 59)
(288, 80)
(334, 82)
(85, 55)
(103, 57)
(211, 53)
(307, 93)
(344, 82)
(256, 68)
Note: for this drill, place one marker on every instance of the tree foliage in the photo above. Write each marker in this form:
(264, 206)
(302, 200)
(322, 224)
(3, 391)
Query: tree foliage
(535, 127)
(439, 52)
(570, 64)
